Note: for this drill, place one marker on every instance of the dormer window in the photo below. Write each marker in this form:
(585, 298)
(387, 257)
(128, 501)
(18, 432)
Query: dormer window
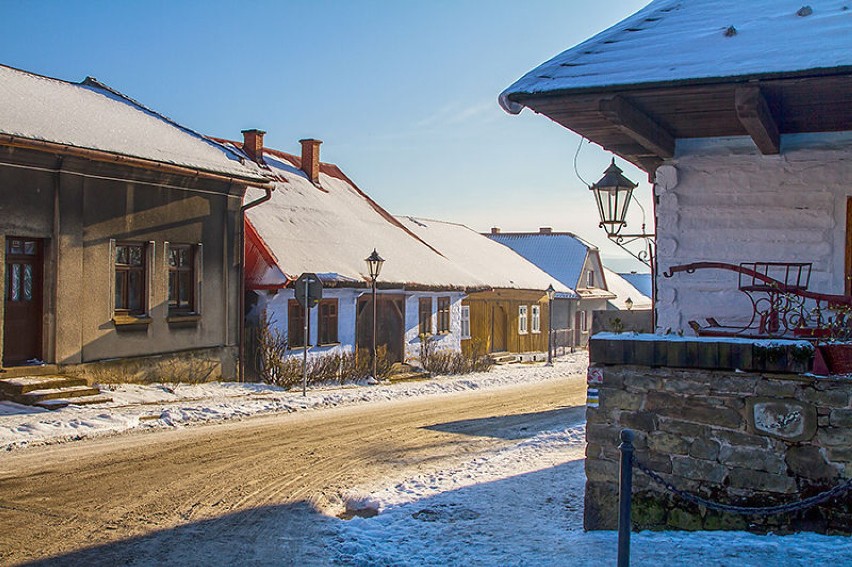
(590, 278)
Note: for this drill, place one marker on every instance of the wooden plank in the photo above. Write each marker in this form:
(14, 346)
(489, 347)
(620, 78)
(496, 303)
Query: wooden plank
(755, 116)
(639, 126)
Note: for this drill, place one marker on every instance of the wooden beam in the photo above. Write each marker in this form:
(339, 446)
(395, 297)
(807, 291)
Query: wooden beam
(755, 116)
(638, 125)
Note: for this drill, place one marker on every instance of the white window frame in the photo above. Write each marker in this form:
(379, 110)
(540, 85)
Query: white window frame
(465, 321)
(522, 319)
(584, 325)
(536, 318)
(590, 278)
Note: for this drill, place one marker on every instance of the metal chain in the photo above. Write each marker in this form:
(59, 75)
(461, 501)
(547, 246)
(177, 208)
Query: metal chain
(758, 510)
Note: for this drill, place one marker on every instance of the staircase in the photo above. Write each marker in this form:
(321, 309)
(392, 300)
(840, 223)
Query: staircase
(504, 357)
(50, 391)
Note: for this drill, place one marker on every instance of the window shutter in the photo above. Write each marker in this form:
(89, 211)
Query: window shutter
(111, 280)
(165, 279)
(150, 257)
(199, 276)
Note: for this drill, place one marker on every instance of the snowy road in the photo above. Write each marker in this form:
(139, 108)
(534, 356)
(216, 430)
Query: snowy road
(250, 491)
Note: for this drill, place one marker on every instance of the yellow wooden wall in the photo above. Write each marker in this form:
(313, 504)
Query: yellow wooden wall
(483, 305)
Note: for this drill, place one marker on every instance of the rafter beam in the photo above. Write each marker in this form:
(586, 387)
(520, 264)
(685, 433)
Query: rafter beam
(755, 116)
(639, 126)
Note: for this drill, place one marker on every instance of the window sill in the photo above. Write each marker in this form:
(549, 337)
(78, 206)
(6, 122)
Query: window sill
(328, 344)
(183, 319)
(128, 322)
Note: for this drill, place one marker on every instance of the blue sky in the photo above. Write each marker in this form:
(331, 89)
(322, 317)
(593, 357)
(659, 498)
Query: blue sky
(402, 93)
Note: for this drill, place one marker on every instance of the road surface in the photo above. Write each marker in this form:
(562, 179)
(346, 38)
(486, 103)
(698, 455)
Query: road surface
(249, 492)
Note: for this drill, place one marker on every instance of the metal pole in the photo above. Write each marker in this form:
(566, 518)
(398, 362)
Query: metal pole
(625, 491)
(305, 342)
(374, 330)
(549, 332)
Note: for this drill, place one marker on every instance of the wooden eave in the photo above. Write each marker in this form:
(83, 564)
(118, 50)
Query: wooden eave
(642, 123)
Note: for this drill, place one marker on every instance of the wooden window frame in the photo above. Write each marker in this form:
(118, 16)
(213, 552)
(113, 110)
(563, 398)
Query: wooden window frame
(174, 273)
(523, 319)
(327, 323)
(465, 321)
(590, 278)
(424, 311)
(444, 314)
(584, 321)
(122, 307)
(535, 316)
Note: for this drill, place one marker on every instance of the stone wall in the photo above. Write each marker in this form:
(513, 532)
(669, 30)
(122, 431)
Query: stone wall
(747, 439)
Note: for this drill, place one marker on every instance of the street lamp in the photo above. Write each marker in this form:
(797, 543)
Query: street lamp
(551, 293)
(374, 266)
(629, 304)
(613, 193)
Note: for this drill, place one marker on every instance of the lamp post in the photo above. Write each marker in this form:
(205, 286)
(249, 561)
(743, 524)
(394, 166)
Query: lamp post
(374, 266)
(551, 293)
(613, 193)
(629, 304)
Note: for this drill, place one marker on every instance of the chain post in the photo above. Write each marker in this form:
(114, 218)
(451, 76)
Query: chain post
(625, 491)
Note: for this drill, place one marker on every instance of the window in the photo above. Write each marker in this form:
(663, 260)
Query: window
(295, 324)
(425, 315)
(590, 278)
(522, 319)
(328, 321)
(181, 278)
(130, 273)
(584, 326)
(21, 256)
(465, 322)
(536, 318)
(443, 314)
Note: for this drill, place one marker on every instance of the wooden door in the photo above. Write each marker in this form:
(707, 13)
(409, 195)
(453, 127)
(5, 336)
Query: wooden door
(499, 328)
(578, 332)
(22, 324)
(390, 325)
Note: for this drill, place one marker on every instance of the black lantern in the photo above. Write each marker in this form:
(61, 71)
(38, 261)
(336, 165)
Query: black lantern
(374, 264)
(613, 193)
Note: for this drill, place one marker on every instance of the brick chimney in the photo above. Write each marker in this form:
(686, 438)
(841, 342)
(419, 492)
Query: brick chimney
(311, 158)
(495, 230)
(545, 230)
(253, 144)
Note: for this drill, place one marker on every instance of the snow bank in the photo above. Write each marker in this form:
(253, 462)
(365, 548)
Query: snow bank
(166, 406)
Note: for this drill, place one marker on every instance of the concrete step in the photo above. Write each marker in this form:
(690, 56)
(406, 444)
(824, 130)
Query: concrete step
(23, 384)
(60, 403)
(35, 396)
(504, 358)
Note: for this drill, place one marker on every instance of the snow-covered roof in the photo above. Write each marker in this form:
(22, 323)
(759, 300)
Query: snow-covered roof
(561, 255)
(487, 261)
(679, 40)
(93, 116)
(332, 228)
(624, 289)
(641, 281)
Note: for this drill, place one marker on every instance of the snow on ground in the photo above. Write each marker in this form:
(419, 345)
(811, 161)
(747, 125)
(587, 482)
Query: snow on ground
(523, 505)
(175, 405)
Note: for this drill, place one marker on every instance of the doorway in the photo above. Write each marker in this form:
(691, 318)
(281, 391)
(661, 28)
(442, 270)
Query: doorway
(499, 326)
(23, 294)
(390, 325)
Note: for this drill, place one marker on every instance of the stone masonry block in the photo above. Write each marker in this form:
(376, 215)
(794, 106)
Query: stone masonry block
(759, 481)
(601, 471)
(706, 449)
(698, 469)
(737, 438)
(808, 462)
(619, 399)
(642, 420)
(685, 386)
(830, 398)
(682, 428)
(841, 417)
(667, 443)
(835, 437)
(638, 382)
(757, 458)
(776, 388)
(737, 384)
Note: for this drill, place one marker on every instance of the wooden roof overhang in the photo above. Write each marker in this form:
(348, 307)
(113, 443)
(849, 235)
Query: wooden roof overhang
(641, 123)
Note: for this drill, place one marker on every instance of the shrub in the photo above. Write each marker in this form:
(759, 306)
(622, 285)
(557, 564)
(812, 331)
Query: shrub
(447, 362)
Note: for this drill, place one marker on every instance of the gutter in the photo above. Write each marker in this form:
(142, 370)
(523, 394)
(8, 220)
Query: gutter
(241, 370)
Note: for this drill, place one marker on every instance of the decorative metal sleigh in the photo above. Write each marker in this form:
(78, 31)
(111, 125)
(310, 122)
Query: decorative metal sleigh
(784, 307)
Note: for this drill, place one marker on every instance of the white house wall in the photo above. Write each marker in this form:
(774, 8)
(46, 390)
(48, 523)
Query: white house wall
(725, 202)
(448, 341)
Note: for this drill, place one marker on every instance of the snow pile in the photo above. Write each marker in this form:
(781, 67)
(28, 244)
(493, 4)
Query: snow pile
(174, 405)
(523, 505)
